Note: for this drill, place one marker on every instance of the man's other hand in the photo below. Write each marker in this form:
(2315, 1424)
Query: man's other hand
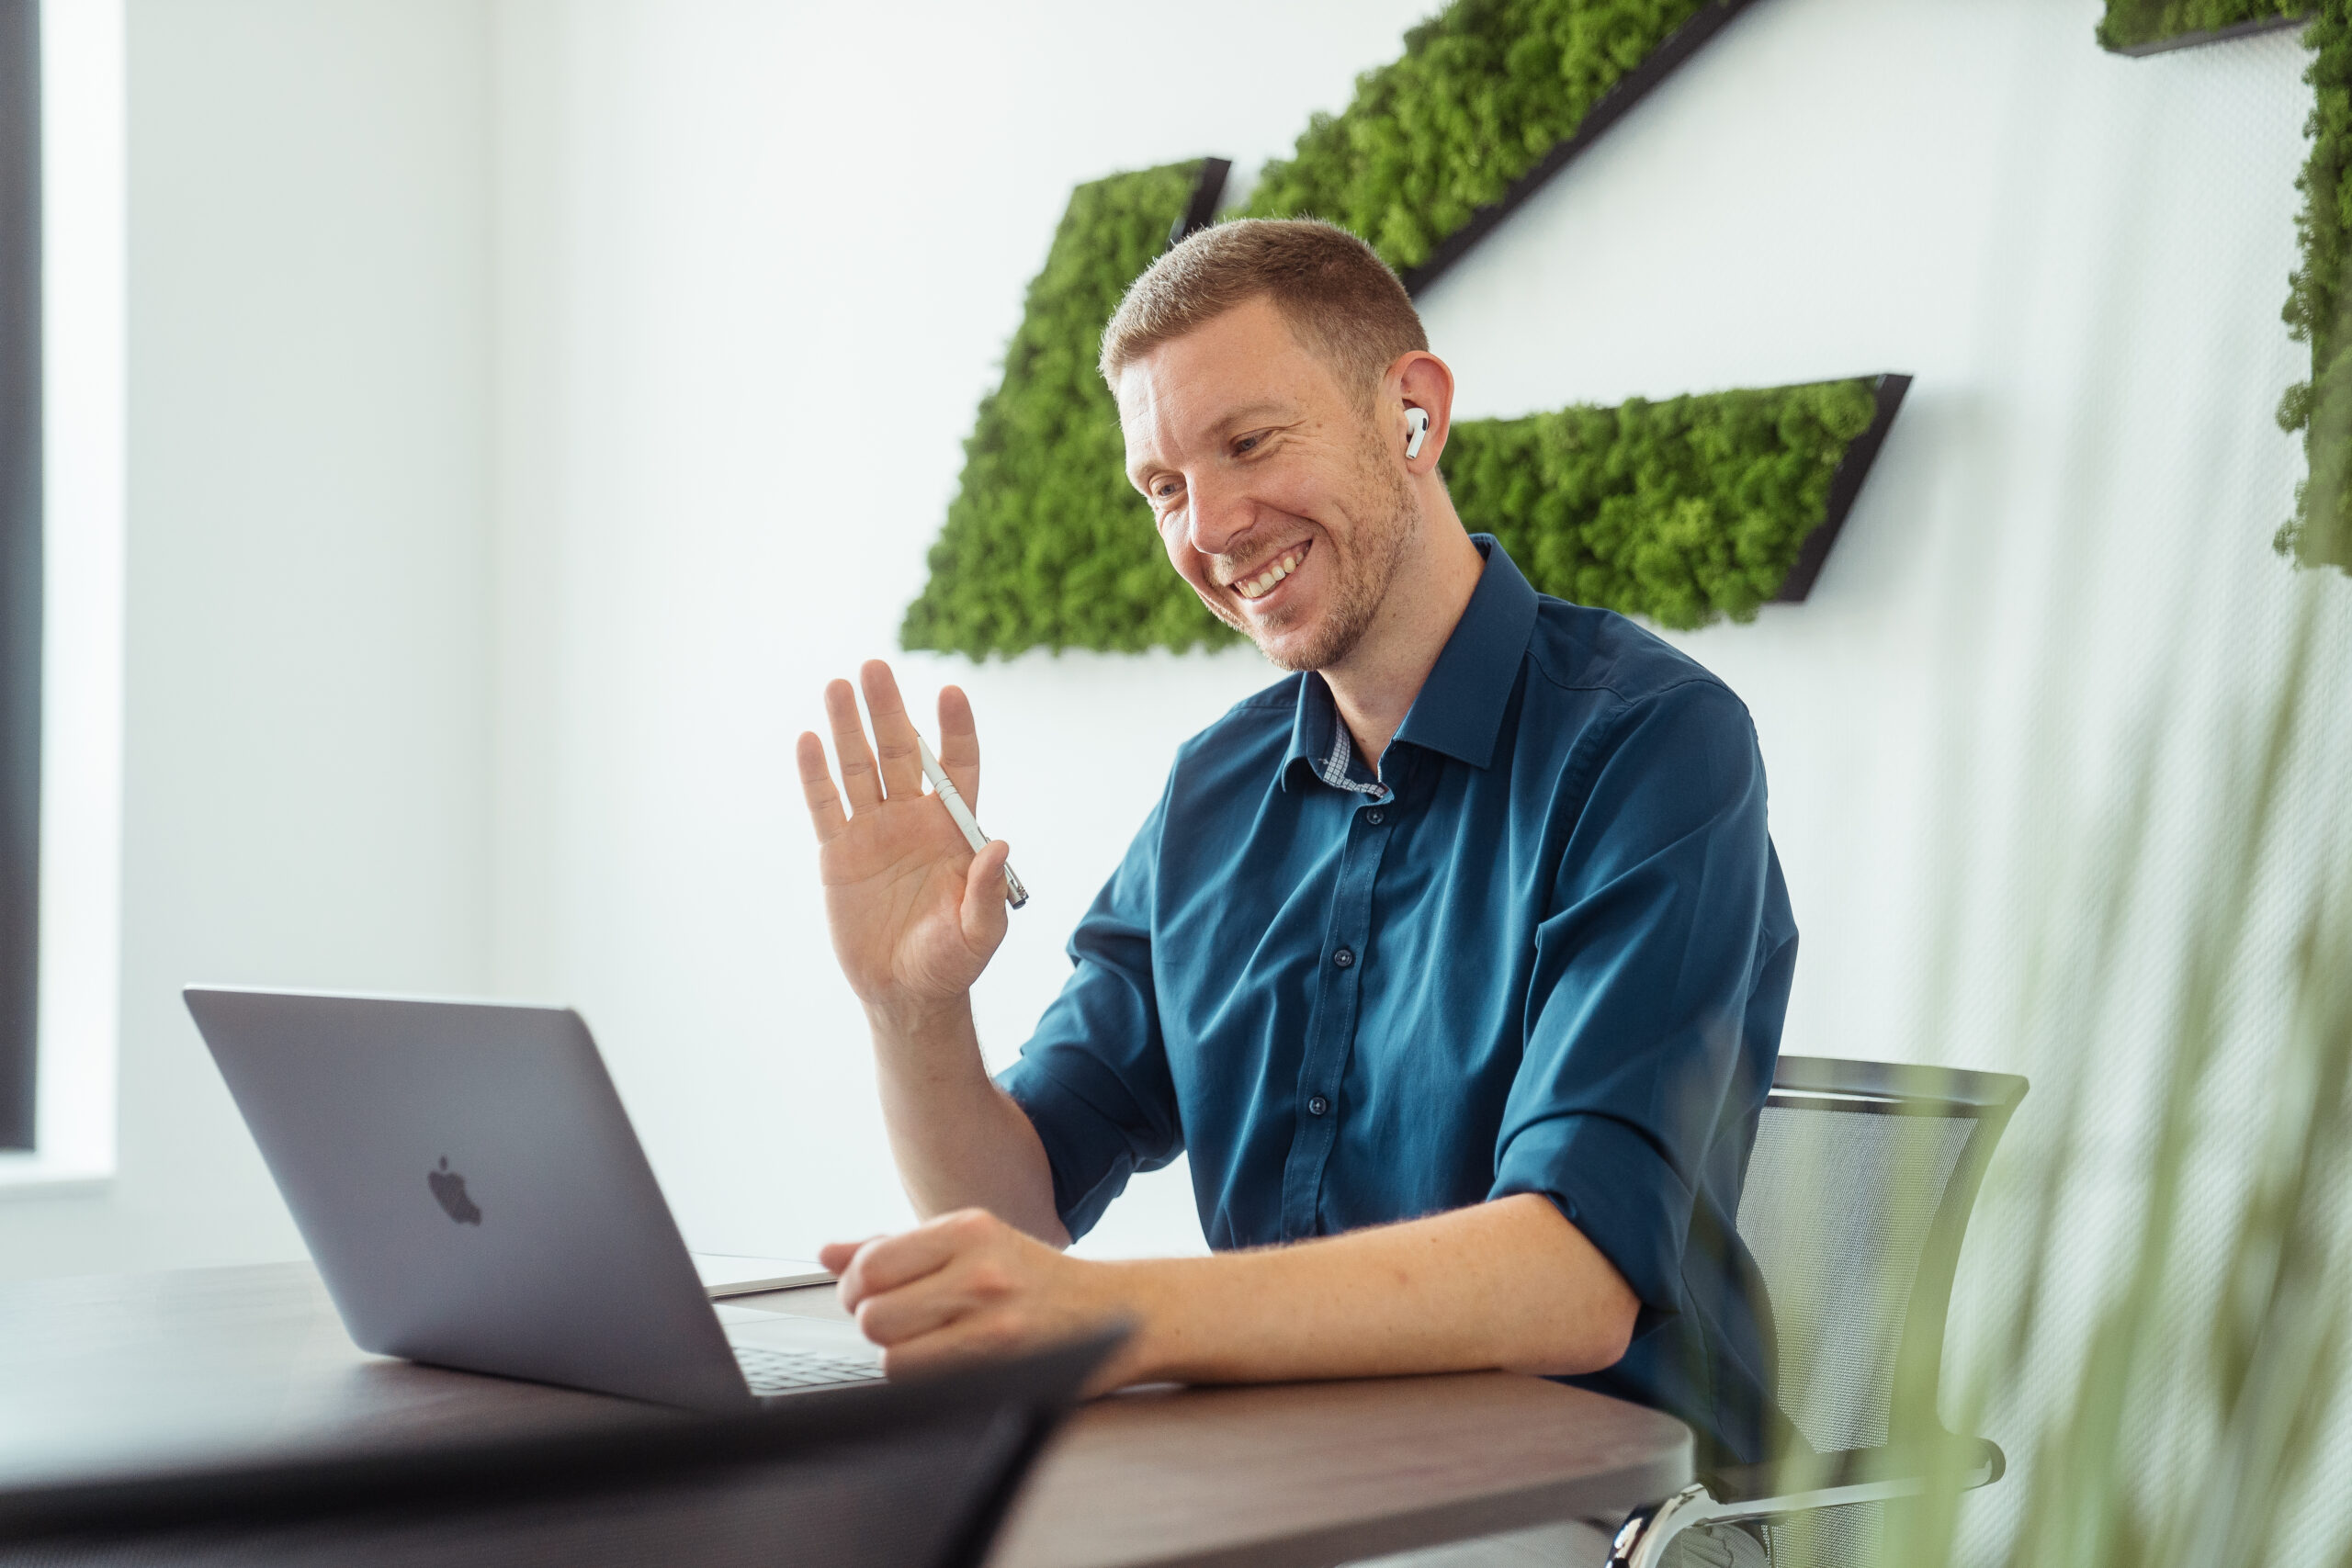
(967, 1286)
(915, 913)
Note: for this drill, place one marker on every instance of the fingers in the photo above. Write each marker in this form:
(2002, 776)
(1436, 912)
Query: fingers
(915, 1285)
(913, 1311)
(892, 1262)
(974, 1337)
(835, 1256)
(894, 732)
(825, 811)
(985, 913)
(860, 781)
(959, 743)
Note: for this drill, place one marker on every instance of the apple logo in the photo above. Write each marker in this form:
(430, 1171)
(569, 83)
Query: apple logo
(449, 1190)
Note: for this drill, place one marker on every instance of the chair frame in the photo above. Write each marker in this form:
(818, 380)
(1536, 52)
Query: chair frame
(1895, 1472)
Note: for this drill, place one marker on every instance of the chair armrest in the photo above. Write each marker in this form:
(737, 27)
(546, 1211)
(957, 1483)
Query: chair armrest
(1828, 1481)
(1858, 1475)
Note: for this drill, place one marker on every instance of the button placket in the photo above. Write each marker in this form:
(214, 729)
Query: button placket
(1333, 1025)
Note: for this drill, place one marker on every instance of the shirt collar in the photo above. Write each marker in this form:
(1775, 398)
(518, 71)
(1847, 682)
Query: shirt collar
(1459, 710)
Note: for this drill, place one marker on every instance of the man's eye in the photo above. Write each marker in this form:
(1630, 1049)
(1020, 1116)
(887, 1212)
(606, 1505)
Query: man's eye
(1247, 443)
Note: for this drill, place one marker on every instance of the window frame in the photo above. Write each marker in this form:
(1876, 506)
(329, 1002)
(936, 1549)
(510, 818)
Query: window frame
(22, 511)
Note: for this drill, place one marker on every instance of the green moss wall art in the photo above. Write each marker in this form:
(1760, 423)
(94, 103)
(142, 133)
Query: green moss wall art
(1485, 89)
(1046, 542)
(2319, 306)
(2151, 26)
(2319, 534)
(1687, 511)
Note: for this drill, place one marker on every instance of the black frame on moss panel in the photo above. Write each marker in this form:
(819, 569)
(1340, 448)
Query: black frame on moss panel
(2216, 34)
(1208, 186)
(1208, 190)
(1611, 106)
(20, 561)
(1844, 485)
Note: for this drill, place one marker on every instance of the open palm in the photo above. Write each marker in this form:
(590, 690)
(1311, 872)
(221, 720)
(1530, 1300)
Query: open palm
(915, 913)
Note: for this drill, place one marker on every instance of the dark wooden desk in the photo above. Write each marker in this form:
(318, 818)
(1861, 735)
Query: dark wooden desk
(120, 1372)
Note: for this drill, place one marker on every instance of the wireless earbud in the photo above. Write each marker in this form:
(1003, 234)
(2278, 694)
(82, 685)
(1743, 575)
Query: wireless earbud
(1417, 421)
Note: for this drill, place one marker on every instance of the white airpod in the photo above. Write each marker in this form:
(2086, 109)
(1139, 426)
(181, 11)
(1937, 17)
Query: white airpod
(1417, 421)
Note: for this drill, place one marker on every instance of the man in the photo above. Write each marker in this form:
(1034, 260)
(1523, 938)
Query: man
(1456, 960)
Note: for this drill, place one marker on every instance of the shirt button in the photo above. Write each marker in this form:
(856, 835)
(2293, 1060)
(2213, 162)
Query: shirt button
(1316, 1106)
(1344, 958)
(1372, 818)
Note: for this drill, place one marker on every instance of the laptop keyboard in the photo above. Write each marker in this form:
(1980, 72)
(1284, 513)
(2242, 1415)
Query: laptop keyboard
(781, 1371)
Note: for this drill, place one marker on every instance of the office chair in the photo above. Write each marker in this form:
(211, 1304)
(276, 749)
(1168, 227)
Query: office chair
(915, 1475)
(1857, 1196)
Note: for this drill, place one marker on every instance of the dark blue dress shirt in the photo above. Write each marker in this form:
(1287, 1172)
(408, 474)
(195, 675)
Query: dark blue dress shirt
(1547, 949)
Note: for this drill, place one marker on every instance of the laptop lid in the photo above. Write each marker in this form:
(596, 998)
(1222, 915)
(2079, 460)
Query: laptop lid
(471, 1188)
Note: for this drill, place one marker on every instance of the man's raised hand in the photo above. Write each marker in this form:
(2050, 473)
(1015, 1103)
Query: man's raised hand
(915, 913)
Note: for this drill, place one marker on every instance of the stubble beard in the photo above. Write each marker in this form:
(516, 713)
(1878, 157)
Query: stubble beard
(1365, 572)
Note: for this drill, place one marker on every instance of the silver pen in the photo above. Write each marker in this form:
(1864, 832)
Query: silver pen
(952, 799)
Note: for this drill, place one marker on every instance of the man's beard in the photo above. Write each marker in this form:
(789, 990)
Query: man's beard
(1389, 514)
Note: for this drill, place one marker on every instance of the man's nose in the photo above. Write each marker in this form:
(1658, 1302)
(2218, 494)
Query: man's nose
(1220, 514)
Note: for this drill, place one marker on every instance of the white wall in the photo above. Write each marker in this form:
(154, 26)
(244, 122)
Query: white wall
(757, 264)
(732, 381)
(2082, 259)
(2064, 548)
(532, 403)
(307, 754)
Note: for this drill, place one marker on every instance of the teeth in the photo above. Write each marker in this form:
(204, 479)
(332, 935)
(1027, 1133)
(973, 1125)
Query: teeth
(1256, 587)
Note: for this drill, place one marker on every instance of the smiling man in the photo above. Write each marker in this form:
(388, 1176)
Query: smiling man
(1456, 960)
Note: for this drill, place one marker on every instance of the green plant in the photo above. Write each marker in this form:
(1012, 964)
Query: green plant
(2198, 1414)
(1046, 542)
(2129, 23)
(1485, 88)
(2317, 534)
(1684, 511)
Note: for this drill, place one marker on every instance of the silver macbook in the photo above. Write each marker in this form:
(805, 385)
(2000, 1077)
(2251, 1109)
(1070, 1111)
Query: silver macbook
(474, 1196)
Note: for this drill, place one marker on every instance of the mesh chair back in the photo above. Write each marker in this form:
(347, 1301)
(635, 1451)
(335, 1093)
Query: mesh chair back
(1858, 1197)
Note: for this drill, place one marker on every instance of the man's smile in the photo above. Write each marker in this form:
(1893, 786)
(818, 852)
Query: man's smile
(1262, 578)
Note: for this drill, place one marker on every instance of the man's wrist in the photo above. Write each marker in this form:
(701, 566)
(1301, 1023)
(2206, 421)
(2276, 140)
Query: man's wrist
(921, 1025)
(1151, 1295)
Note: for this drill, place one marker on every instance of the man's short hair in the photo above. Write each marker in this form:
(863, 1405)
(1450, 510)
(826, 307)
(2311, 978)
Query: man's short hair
(1340, 298)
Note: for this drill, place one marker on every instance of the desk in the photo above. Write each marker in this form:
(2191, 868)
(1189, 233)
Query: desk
(113, 1372)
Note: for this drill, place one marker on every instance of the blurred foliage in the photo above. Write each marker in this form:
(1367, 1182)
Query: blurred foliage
(1485, 89)
(2204, 1416)
(2130, 22)
(1685, 511)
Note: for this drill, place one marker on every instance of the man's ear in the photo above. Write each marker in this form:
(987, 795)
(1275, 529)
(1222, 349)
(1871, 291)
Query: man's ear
(1423, 386)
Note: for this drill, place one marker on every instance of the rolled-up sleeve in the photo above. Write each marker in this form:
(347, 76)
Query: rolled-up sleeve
(1643, 971)
(1093, 1079)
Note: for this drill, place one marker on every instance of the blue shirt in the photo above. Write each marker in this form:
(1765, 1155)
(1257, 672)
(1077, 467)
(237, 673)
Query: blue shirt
(1546, 950)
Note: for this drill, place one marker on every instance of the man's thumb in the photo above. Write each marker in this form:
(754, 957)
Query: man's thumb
(984, 894)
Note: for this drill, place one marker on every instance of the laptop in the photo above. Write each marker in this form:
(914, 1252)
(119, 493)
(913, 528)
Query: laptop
(472, 1191)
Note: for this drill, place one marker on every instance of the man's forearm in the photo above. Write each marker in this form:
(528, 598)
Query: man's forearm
(960, 1142)
(1509, 1284)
